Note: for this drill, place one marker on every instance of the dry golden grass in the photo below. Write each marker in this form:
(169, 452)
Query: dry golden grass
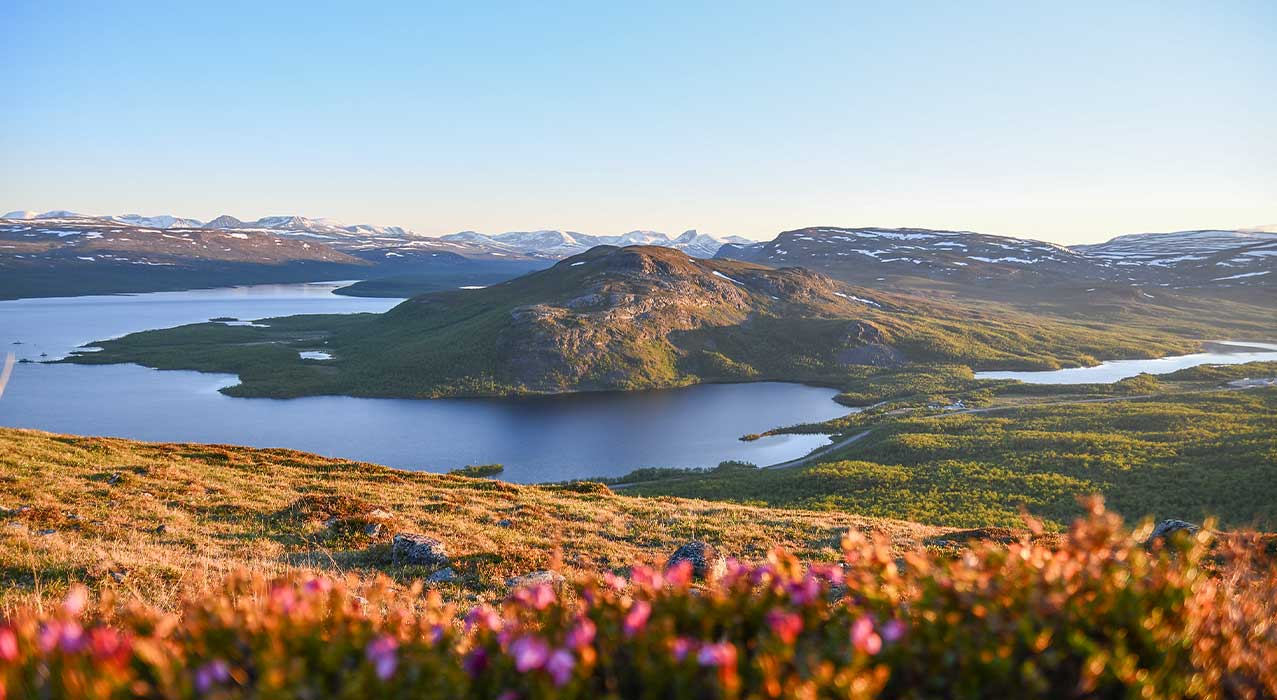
(90, 509)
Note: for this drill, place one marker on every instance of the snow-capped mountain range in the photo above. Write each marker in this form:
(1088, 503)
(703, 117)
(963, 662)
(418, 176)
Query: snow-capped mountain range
(1243, 258)
(561, 244)
(551, 244)
(967, 261)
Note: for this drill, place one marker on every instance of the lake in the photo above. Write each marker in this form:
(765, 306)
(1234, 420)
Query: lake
(1219, 352)
(538, 439)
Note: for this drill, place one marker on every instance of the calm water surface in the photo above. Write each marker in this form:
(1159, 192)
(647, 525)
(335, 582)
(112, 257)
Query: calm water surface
(1220, 352)
(542, 439)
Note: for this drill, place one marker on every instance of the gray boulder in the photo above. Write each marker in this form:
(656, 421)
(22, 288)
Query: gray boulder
(1168, 527)
(705, 561)
(553, 578)
(442, 576)
(417, 550)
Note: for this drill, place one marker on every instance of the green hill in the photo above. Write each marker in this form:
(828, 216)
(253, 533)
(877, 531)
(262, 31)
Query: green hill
(629, 318)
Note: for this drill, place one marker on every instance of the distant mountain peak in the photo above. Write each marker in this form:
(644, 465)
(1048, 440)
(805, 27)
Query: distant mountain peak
(225, 221)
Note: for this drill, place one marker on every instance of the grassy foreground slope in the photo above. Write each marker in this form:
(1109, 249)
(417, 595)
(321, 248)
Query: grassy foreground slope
(1181, 456)
(156, 521)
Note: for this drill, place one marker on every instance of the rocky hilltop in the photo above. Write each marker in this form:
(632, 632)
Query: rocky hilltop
(623, 318)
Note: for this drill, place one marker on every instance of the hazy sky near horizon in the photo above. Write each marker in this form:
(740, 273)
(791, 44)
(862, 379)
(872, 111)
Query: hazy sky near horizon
(1069, 122)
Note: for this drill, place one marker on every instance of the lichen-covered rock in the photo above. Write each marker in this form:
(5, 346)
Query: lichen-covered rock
(704, 560)
(442, 576)
(417, 550)
(1170, 526)
(553, 578)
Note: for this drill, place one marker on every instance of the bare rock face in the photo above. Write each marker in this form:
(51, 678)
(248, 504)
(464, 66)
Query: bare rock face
(867, 345)
(417, 550)
(704, 560)
(872, 355)
(863, 333)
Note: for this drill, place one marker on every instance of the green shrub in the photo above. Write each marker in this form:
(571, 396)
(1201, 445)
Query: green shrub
(1099, 615)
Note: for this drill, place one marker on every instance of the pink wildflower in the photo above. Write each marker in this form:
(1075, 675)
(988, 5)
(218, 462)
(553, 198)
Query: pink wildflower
(476, 662)
(285, 597)
(47, 636)
(893, 630)
(529, 652)
(679, 575)
(616, 583)
(211, 674)
(560, 666)
(537, 597)
(483, 617)
(760, 574)
(317, 584)
(381, 652)
(77, 599)
(722, 655)
(644, 577)
(785, 625)
(864, 638)
(71, 638)
(582, 634)
(830, 572)
(805, 591)
(681, 647)
(8, 644)
(636, 618)
(109, 645)
(735, 571)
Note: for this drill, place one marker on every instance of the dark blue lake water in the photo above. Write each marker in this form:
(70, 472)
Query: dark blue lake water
(541, 439)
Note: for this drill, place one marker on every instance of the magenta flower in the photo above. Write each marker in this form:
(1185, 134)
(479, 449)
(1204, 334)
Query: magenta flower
(722, 655)
(77, 599)
(616, 583)
(560, 666)
(893, 630)
(109, 645)
(647, 578)
(210, 674)
(681, 647)
(830, 572)
(760, 574)
(381, 653)
(785, 625)
(71, 638)
(805, 591)
(8, 644)
(484, 618)
(538, 597)
(529, 652)
(582, 634)
(864, 638)
(475, 663)
(679, 575)
(317, 584)
(285, 597)
(47, 636)
(436, 633)
(636, 618)
(735, 571)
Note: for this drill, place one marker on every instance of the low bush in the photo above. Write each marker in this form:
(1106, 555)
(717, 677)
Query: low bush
(1098, 616)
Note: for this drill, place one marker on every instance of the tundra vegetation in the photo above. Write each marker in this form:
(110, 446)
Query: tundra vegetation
(643, 317)
(1097, 614)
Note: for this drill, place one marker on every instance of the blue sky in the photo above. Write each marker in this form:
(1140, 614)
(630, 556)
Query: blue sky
(1069, 122)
